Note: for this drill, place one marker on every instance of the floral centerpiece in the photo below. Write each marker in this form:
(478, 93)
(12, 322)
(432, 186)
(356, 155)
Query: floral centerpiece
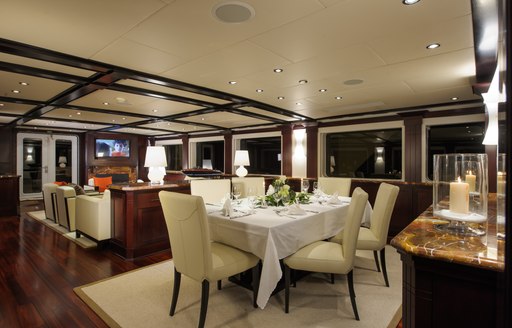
(280, 194)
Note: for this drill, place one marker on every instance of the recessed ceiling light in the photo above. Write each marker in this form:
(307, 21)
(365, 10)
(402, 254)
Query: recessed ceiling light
(1, 105)
(278, 70)
(155, 110)
(232, 82)
(433, 46)
(455, 98)
(78, 113)
(410, 2)
(259, 90)
(298, 103)
(338, 97)
(303, 81)
(15, 91)
(322, 90)
(280, 98)
(70, 115)
(202, 118)
(123, 118)
(106, 103)
(23, 83)
(113, 120)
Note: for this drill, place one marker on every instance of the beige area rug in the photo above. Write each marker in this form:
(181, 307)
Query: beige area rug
(83, 241)
(141, 298)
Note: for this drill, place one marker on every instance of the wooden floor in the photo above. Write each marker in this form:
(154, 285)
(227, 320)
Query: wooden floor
(39, 269)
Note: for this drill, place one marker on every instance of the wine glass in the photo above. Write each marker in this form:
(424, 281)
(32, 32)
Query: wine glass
(277, 197)
(251, 196)
(315, 187)
(236, 192)
(305, 186)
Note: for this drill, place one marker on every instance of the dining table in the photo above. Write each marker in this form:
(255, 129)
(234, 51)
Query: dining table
(273, 233)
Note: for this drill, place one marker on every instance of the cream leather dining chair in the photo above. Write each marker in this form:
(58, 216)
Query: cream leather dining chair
(193, 252)
(256, 183)
(212, 190)
(331, 185)
(375, 237)
(331, 257)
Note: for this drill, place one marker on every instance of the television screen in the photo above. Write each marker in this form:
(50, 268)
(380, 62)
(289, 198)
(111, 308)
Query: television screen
(112, 148)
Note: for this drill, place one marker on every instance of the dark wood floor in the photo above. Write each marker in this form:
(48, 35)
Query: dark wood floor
(39, 269)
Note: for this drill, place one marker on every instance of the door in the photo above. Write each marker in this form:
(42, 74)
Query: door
(43, 158)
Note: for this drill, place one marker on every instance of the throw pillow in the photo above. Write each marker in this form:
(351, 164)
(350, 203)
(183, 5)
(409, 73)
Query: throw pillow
(78, 189)
(102, 183)
(61, 183)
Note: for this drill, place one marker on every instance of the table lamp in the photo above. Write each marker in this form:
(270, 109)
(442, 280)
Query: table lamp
(156, 161)
(62, 161)
(241, 158)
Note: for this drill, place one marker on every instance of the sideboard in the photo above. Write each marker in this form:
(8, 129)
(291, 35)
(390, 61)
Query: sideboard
(138, 224)
(10, 200)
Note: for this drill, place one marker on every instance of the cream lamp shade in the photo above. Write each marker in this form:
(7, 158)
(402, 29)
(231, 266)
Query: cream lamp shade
(241, 159)
(156, 161)
(62, 161)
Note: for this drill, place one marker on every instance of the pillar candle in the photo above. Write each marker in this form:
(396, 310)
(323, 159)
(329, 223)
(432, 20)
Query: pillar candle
(470, 180)
(459, 197)
(501, 183)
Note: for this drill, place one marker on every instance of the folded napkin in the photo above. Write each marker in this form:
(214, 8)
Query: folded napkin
(227, 208)
(295, 209)
(334, 199)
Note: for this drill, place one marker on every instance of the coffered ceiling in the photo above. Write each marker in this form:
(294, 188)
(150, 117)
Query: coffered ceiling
(163, 67)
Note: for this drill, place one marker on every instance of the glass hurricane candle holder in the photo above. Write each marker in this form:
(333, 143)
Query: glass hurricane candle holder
(501, 196)
(460, 193)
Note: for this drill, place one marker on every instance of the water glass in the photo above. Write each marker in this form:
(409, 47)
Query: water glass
(305, 186)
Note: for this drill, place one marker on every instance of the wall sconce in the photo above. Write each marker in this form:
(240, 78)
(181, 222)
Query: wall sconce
(491, 99)
(62, 161)
(29, 159)
(156, 161)
(379, 154)
(241, 158)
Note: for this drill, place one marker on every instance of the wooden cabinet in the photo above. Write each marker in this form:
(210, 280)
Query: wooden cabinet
(138, 224)
(10, 200)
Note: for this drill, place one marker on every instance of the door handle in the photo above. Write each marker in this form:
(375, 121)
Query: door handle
(45, 168)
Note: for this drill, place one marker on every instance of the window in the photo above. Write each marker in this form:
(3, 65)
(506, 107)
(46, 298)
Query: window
(264, 154)
(174, 155)
(210, 154)
(373, 154)
(458, 138)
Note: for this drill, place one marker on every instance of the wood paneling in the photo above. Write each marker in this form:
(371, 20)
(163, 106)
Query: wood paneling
(10, 199)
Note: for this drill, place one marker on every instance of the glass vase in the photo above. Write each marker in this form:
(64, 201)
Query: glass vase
(501, 196)
(460, 193)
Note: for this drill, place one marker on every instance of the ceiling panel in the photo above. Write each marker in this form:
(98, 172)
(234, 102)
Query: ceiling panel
(36, 88)
(87, 116)
(13, 108)
(65, 125)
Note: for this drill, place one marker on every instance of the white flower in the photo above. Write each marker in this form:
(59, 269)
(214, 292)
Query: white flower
(270, 190)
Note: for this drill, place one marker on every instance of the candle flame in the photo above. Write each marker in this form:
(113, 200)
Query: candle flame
(459, 179)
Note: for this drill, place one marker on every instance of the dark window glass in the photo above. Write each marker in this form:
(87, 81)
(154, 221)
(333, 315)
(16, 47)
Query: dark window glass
(264, 154)
(210, 154)
(454, 138)
(373, 154)
(174, 157)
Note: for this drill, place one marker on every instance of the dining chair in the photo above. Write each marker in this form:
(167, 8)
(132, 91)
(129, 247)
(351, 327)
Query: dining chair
(331, 185)
(212, 190)
(331, 257)
(375, 237)
(193, 252)
(256, 183)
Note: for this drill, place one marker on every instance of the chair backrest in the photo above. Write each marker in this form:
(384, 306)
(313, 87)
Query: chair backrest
(50, 208)
(93, 216)
(256, 183)
(331, 185)
(382, 210)
(353, 222)
(189, 234)
(212, 190)
(66, 206)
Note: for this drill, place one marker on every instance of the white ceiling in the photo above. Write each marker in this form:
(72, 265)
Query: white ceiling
(326, 42)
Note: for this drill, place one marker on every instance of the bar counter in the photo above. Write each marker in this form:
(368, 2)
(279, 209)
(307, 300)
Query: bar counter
(451, 280)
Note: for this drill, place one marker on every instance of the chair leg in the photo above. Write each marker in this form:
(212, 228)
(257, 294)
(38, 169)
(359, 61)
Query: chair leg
(175, 291)
(205, 293)
(376, 257)
(383, 261)
(255, 284)
(286, 288)
(332, 278)
(350, 281)
(219, 284)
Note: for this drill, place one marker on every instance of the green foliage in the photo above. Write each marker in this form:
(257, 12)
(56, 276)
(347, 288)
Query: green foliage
(283, 195)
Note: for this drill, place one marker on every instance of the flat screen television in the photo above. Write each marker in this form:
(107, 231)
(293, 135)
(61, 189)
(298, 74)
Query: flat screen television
(112, 148)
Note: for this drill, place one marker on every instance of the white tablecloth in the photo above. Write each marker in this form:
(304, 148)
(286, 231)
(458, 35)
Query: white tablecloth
(272, 237)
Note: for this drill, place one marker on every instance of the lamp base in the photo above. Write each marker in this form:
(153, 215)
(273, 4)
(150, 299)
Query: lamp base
(241, 171)
(156, 174)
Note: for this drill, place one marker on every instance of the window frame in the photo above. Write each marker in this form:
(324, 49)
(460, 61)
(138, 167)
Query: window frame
(238, 137)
